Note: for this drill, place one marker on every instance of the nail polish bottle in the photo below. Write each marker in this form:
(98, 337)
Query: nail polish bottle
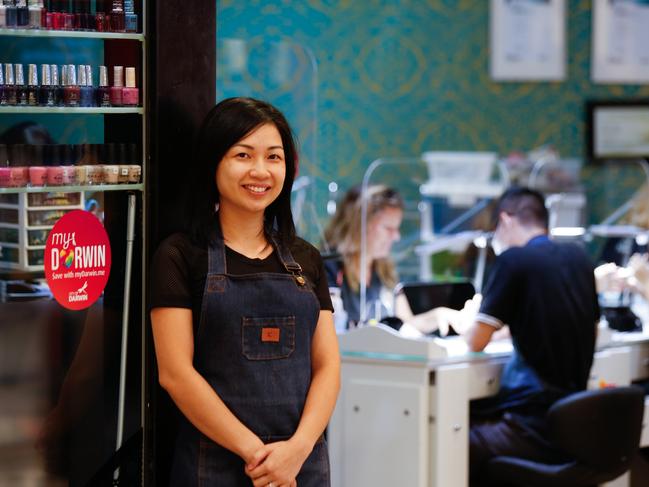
(46, 95)
(5, 170)
(11, 14)
(81, 9)
(130, 93)
(36, 11)
(71, 91)
(10, 86)
(43, 7)
(37, 170)
(3, 15)
(21, 89)
(32, 85)
(68, 17)
(19, 172)
(102, 95)
(61, 12)
(100, 16)
(22, 14)
(57, 87)
(67, 165)
(57, 15)
(117, 16)
(95, 167)
(111, 169)
(130, 17)
(54, 171)
(118, 86)
(76, 12)
(81, 79)
(86, 94)
(134, 168)
(3, 93)
(47, 14)
(87, 11)
(63, 83)
(122, 162)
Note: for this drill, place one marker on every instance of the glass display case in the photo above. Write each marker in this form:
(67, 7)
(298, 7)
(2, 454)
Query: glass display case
(72, 137)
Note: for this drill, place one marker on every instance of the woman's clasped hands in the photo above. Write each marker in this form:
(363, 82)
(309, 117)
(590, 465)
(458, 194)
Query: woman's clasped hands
(277, 463)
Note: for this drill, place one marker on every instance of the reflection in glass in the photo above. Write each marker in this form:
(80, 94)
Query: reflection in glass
(59, 369)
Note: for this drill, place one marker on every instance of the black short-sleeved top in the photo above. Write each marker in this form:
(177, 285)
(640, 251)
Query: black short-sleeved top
(545, 292)
(335, 272)
(179, 270)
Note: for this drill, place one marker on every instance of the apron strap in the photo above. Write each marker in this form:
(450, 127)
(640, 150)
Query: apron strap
(286, 257)
(216, 253)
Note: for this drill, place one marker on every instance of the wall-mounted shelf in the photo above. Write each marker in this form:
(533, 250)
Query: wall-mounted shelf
(76, 110)
(74, 189)
(71, 33)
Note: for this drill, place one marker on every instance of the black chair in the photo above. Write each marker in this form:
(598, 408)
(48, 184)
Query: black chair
(599, 430)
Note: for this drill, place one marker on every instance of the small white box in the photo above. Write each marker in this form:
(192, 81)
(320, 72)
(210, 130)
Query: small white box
(468, 167)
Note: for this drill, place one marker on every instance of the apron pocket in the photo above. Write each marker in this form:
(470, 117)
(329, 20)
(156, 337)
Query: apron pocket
(268, 338)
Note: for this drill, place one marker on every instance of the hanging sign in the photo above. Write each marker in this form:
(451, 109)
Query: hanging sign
(77, 259)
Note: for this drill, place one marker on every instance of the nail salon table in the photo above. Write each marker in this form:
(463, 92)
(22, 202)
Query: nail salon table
(402, 418)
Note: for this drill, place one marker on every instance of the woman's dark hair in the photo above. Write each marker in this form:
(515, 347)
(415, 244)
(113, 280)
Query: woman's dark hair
(226, 124)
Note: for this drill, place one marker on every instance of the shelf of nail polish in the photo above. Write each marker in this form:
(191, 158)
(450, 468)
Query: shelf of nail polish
(77, 187)
(69, 15)
(75, 90)
(79, 110)
(61, 165)
(70, 34)
(56, 177)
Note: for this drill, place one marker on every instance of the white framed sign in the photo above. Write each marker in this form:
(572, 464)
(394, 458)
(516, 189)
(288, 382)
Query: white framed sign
(528, 40)
(620, 44)
(619, 130)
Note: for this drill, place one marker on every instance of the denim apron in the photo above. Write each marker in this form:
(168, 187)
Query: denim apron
(253, 346)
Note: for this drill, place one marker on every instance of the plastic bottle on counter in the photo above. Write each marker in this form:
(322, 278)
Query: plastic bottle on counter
(340, 315)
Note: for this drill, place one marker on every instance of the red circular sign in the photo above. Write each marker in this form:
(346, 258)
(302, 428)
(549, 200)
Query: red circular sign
(77, 259)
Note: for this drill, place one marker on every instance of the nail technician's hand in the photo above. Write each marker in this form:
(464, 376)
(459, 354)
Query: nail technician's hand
(435, 319)
(467, 315)
(609, 278)
(639, 266)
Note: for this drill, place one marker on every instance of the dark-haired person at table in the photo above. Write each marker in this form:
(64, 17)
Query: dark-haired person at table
(545, 292)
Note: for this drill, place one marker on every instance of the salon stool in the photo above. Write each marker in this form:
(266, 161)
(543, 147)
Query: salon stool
(599, 429)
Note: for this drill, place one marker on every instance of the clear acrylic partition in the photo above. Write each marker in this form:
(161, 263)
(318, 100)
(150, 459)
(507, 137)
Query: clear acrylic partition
(561, 183)
(618, 194)
(446, 219)
(286, 75)
(618, 224)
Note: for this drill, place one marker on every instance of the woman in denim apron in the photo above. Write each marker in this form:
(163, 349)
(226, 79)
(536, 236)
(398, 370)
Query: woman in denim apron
(257, 380)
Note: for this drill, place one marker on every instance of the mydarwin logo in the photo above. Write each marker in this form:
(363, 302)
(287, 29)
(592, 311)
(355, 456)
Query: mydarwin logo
(75, 256)
(77, 259)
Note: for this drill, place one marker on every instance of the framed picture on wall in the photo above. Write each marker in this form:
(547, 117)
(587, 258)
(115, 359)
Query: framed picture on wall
(527, 40)
(617, 129)
(620, 42)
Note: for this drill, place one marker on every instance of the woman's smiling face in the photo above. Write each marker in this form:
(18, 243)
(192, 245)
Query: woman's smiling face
(251, 174)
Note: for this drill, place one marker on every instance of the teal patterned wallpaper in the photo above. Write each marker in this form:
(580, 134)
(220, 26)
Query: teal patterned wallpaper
(399, 77)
